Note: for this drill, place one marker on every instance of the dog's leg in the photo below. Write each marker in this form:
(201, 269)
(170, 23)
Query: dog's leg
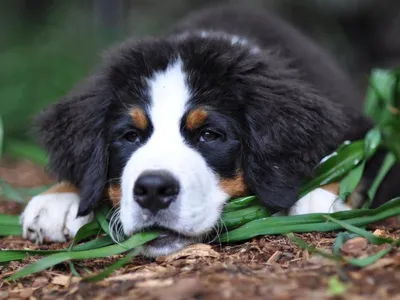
(51, 216)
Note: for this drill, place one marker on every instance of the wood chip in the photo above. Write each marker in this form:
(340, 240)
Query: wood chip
(141, 275)
(380, 232)
(40, 281)
(186, 288)
(193, 251)
(355, 246)
(274, 257)
(65, 280)
(155, 283)
(26, 293)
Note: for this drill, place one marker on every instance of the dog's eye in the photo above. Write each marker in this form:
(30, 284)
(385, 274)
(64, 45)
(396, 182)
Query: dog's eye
(208, 136)
(132, 137)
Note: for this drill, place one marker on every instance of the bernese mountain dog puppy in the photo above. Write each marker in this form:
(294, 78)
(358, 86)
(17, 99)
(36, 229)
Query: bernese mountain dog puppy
(230, 102)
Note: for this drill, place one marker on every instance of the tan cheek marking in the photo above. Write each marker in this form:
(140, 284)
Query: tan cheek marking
(196, 118)
(114, 194)
(235, 187)
(62, 187)
(139, 118)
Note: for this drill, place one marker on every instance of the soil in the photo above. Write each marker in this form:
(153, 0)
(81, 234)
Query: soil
(269, 267)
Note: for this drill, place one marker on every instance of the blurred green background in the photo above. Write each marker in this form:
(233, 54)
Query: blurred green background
(47, 46)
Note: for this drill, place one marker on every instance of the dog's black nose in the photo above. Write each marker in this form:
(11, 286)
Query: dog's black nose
(155, 190)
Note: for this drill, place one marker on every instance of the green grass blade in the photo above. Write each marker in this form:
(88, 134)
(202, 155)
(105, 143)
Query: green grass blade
(388, 163)
(1, 136)
(7, 256)
(304, 245)
(239, 203)
(10, 193)
(360, 262)
(108, 271)
(25, 150)
(239, 217)
(258, 224)
(349, 183)
(10, 230)
(84, 232)
(374, 239)
(335, 166)
(364, 262)
(134, 241)
(101, 217)
(10, 255)
(372, 142)
(9, 220)
(94, 244)
(270, 226)
(73, 269)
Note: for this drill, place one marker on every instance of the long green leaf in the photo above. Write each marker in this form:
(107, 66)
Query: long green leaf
(272, 226)
(7, 230)
(25, 150)
(240, 203)
(94, 244)
(388, 163)
(372, 238)
(84, 232)
(9, 220)
(10, 193)
(239, 217)
(8, 255)
(134, 241)
(349, 183)
(335, 166)
(101, 217)
(304, 245)
(11, 256)
(109, 270)
(372, 140)
(1, 136)
(366, 261)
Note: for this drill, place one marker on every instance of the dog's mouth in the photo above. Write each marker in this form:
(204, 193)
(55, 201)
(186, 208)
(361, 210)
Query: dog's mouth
(167, 237)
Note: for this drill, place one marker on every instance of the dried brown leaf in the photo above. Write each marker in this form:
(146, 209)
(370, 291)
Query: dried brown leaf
(355, 246)
(193, 251)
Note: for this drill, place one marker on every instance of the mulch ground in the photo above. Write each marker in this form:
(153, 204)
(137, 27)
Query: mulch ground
(264, 268)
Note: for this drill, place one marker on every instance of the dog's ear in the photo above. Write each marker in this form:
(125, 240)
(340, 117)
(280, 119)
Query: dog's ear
(289, 130)
(73, 133)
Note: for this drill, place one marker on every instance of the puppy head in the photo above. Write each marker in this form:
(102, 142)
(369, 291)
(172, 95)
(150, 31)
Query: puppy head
(177, 127)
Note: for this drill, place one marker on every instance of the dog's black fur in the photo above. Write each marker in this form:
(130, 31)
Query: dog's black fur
(285, 107)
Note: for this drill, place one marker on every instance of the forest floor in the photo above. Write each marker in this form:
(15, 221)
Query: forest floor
(269, 267)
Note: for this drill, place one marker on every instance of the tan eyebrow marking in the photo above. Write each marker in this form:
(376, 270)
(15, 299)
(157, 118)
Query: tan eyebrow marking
(196, 118)
(139, 118)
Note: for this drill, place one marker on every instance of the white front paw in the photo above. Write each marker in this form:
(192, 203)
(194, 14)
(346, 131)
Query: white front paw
(318, 201)
(52, 218)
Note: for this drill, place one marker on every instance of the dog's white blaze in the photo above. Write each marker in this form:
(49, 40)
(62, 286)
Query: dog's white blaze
(200, 199)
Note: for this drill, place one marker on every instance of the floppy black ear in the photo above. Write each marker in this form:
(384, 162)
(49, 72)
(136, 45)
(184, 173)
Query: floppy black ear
(290, 129)
(73, 133)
